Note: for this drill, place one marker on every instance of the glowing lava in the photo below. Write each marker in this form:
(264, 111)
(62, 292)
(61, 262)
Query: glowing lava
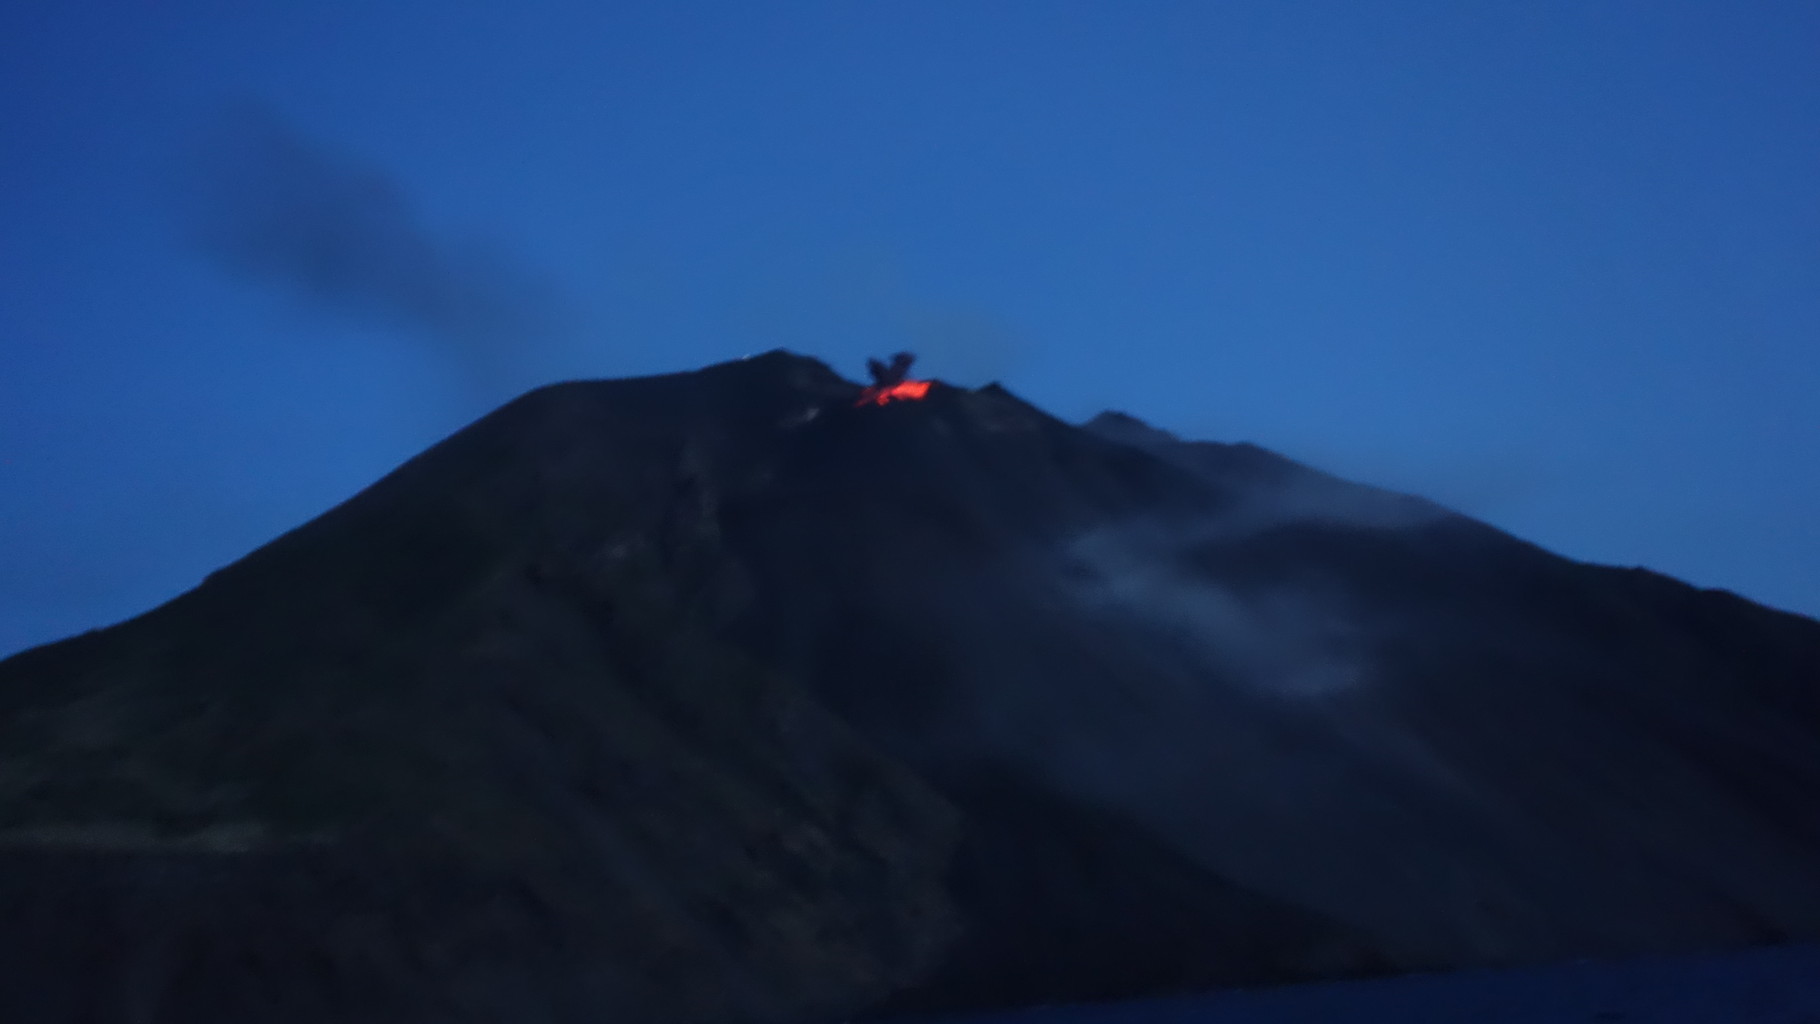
(890, 383)
(902, 391)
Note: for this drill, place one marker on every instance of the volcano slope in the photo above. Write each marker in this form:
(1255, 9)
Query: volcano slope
(711, 697)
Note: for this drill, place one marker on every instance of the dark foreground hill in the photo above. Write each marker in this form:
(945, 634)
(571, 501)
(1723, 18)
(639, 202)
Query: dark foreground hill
(712, 697)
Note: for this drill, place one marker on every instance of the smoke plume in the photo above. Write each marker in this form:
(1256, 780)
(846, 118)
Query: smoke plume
(291, 212)
(1282, 639)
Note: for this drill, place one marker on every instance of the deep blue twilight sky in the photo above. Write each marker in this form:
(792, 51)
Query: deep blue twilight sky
(1555, 264)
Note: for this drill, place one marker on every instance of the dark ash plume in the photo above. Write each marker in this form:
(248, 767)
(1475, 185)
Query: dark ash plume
(282, 208)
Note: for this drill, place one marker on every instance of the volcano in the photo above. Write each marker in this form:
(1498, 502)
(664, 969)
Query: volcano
(728, 696)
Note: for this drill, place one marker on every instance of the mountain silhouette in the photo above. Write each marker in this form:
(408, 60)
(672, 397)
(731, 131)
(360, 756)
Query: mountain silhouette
(718, 697)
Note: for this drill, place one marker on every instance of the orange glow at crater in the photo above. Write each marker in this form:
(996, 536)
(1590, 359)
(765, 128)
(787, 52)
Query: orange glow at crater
(902, 391)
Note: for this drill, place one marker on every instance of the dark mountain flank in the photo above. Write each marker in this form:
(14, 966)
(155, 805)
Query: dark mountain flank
(714, 697)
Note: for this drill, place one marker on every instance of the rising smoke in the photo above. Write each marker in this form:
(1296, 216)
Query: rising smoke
(1282, 639)
(1287, 637)
(291, 212)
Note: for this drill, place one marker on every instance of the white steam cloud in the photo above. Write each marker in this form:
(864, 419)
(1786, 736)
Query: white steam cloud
(1279, 639)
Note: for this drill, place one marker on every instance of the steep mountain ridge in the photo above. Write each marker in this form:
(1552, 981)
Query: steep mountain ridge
(713, 697)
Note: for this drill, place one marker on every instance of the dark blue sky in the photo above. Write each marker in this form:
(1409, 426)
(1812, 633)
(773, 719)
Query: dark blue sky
(1556, 264)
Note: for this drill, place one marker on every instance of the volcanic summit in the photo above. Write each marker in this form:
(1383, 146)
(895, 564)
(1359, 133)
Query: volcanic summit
(754, 694)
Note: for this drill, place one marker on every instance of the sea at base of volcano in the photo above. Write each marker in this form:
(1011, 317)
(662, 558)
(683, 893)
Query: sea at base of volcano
(1773, 985)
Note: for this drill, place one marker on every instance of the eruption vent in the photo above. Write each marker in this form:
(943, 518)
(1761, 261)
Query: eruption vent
(890, 382)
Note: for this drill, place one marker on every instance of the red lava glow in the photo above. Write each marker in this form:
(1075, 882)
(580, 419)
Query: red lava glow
(902, 391)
